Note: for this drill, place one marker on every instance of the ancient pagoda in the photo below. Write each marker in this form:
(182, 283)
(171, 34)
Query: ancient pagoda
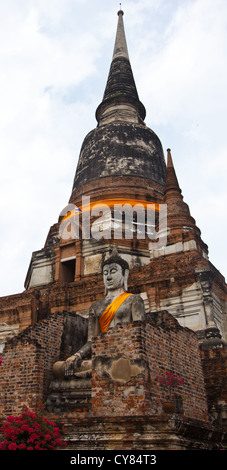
(125, 197)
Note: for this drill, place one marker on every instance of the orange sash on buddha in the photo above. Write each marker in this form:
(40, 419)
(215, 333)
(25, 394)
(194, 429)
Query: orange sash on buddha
(108, 314)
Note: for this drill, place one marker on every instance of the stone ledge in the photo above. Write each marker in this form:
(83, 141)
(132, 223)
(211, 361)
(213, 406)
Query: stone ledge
(139, 432)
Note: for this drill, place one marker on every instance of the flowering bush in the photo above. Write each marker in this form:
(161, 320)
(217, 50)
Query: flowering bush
(170, 380)
(30, 431)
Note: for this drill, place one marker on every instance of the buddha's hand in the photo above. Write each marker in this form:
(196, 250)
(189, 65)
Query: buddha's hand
(72, 364)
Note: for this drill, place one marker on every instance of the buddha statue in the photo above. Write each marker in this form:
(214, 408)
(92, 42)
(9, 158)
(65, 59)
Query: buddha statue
(118, 306)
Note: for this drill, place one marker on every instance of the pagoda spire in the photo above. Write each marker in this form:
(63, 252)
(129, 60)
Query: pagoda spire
(180, 222)
(172, 188)
(120, 101)
(120, 47)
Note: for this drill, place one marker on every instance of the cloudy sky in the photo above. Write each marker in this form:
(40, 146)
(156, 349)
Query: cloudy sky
(54, 61)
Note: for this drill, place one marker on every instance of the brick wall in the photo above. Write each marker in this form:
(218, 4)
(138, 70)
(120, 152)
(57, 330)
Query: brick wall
(19, 309)
(214, 362)
(174, 349)
(154, 347)
(111, 395)
(27, 361)
(128, 360)
(21, 377)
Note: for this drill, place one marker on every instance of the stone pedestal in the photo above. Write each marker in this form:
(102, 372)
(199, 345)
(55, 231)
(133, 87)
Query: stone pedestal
(69, 395)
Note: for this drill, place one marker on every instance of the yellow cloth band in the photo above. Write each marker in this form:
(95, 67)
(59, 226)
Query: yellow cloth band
(108, 314)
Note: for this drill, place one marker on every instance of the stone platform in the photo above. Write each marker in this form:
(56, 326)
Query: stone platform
(69, 395)
(167, 432)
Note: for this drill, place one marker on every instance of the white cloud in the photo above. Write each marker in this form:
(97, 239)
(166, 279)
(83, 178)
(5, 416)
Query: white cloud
(39, 130)
(183, 85)
(186, 76)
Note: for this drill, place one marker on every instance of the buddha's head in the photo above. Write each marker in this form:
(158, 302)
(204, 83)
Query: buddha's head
(115, 272)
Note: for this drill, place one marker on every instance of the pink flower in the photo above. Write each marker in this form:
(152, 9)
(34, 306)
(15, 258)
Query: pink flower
(25, 427)
(37, 447)
(10, 419)
(3, 445)
(22, 446)
(59, 442)
(12, 446)
(33, 437)
(37, 426)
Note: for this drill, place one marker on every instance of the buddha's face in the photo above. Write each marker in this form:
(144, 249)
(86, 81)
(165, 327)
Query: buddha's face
(113, 277)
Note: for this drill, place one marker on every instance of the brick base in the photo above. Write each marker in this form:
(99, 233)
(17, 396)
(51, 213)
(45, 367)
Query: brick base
(128, 361)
